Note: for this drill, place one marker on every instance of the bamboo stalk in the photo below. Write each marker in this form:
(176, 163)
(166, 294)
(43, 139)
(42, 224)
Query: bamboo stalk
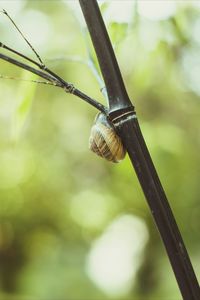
(124, 118)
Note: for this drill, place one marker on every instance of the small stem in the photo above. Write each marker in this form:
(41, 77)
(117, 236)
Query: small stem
(65, 84)
(27, 80)
(69, 88)
(91, 101)
(30, 69)
(23, 36)
(39, 65)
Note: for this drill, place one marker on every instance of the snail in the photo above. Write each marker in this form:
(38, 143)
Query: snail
(104, 140)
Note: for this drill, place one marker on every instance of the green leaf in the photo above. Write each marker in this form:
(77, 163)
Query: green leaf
(117, 31)
(104, 6)
(24, 98)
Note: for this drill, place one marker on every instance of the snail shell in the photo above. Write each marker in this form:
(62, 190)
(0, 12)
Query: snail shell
(104, 140)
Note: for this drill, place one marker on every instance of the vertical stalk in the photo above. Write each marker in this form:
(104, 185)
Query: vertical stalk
(160, 209)
(117, 93)
(125, 121)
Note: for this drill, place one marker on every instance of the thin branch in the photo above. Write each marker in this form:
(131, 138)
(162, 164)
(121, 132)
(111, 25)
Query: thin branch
(30, 69)
(43, 67)
(50, 76)
(91, 62)
(55, 81)
(23, 36)
(27, 80)
(88, 63)
(39, 65)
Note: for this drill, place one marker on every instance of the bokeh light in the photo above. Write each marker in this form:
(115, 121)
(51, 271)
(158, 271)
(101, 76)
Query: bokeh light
(73, 226)
(116, 255)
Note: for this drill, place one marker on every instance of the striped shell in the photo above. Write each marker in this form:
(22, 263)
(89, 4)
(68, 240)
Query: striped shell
(104, 140)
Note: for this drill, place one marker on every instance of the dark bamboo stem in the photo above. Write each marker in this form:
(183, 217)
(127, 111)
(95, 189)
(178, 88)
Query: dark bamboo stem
(130, 133)
(113, 80)
(124, 119)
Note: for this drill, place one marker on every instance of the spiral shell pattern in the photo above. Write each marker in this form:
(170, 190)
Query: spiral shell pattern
(104, 140)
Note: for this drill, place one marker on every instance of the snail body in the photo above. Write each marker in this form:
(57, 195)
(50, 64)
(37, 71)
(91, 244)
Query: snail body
(104, 140)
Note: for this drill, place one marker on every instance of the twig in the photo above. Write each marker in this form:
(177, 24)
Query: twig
(69, 88)
(54, 78)
(27, 80)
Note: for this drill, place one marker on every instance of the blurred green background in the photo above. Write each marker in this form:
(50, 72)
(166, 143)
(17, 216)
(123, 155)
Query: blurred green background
(73, 226)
